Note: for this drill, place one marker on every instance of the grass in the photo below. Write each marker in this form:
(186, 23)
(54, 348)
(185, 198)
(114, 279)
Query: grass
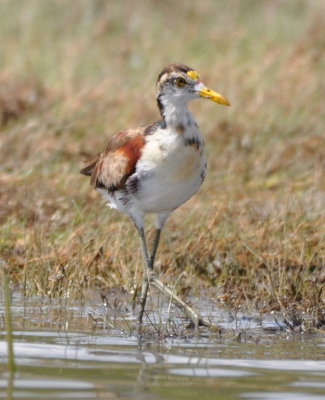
(11, 365)
(72, 76)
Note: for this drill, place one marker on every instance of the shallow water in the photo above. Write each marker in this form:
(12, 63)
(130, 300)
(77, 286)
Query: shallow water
(70, 351)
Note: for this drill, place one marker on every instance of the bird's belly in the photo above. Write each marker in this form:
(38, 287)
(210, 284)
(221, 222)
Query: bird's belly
(171, 180)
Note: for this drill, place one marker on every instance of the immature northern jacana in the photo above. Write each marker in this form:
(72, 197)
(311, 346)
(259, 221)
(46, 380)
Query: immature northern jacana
(157, 168)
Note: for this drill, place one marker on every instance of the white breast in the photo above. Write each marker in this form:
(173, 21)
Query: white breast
(170, 172)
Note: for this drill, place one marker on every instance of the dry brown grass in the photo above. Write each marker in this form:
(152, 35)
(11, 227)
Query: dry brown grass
(72, 77)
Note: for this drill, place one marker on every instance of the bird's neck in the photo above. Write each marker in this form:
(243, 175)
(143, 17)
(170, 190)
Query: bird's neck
(177, 116)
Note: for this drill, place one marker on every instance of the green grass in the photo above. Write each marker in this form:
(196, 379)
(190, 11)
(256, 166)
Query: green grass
(73, 76)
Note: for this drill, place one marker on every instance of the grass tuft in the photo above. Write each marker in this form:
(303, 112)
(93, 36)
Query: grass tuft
(73, 76)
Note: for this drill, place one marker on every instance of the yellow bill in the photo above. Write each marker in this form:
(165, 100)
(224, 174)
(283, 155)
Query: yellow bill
(214, 96)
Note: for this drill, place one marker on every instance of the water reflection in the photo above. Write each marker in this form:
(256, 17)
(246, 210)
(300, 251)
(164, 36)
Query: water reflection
(86, 363)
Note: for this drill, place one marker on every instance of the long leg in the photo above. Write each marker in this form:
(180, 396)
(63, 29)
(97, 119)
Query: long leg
(148, 262)
(161, 219)
(154, 248)
(195, 318)
(147, 268)
(145, 275)
(149, 277)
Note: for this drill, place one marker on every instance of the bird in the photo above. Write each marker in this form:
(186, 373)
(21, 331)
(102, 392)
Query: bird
(154, 169)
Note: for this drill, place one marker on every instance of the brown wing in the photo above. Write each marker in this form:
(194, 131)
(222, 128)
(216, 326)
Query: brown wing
(111, 168)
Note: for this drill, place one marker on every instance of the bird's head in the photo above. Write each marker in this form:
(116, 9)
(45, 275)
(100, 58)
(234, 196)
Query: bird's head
(178, 83)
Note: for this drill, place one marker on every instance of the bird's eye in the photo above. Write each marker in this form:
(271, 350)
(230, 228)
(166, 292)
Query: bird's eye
(180, 82)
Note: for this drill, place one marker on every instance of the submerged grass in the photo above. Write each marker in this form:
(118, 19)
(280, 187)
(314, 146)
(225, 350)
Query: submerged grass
(73, 76)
